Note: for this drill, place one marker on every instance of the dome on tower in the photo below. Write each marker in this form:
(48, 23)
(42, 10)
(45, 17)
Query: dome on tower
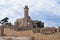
(26, 7)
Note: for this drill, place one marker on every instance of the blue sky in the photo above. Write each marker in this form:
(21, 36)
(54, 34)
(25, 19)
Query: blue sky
(48, 11)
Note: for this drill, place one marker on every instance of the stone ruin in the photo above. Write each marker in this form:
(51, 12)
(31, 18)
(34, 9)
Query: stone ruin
(48, 30)
(27, 23)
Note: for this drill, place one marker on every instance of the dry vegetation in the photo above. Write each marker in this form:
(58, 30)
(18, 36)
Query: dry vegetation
(37, 36)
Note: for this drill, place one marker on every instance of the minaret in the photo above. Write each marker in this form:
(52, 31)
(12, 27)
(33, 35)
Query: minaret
(26, 11)
(26, 16)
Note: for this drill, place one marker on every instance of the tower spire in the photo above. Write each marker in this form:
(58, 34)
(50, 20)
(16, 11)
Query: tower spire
(26, 11)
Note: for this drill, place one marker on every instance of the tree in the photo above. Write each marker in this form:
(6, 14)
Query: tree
(4, 20)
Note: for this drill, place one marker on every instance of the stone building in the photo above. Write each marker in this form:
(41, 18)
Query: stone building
(27, 22)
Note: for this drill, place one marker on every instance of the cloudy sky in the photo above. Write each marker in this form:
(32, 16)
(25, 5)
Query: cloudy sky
(48, 11)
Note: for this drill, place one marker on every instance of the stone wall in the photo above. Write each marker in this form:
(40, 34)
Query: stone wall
(48, 30)
(11, 32)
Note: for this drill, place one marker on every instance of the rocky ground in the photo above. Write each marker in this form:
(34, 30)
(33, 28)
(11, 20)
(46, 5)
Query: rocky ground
(16, 38)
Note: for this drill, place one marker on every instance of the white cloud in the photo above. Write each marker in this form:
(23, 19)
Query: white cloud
(14, 8)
